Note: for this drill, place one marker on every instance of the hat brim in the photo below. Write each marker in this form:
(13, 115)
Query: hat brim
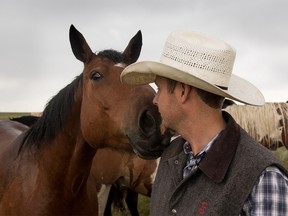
(145, 72)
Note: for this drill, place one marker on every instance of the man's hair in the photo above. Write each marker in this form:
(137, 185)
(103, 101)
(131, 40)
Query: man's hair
(171, 85)
(212, 100)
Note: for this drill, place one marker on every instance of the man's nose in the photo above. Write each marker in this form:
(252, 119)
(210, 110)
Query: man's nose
(155, 100)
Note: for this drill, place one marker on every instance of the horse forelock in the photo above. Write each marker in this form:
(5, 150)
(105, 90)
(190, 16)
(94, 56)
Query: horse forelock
(113, 55)
(56, 112)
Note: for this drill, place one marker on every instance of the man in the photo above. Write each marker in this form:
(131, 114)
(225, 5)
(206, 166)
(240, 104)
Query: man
(214, 167)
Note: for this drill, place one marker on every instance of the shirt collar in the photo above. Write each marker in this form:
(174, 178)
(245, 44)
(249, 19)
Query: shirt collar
(187, 147)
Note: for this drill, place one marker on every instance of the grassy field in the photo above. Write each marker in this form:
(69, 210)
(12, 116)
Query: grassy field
(143, 207)
(7, 115)
(282, 154)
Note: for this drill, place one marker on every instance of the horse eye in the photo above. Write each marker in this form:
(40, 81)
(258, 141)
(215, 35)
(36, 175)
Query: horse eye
(96, 76)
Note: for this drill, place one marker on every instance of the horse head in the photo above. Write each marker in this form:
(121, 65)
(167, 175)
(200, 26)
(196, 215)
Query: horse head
(114, 114)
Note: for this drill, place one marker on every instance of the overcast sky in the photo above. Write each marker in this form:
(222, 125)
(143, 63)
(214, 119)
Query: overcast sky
(36, 60)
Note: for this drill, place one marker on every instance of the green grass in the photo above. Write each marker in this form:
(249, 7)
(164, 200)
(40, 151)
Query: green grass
(143, 207)
(282, 154)
(7, 115)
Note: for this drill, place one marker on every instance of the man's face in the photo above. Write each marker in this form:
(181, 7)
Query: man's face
(165, 102)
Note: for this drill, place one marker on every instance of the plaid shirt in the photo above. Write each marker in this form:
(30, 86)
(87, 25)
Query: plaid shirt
(269, 196)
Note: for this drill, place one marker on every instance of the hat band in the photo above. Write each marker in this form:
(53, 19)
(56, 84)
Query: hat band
(222, 87)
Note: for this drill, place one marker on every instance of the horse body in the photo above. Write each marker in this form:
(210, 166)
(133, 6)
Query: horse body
(268, 124)
(37, 183)
(45, 170)
(124, 171)
(9, 130)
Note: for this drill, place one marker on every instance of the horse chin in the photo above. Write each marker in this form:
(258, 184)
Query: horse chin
(151, 148)
(148, 155)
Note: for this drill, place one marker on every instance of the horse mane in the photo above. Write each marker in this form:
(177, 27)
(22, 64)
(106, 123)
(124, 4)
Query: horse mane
(53, 116)
(59, 107)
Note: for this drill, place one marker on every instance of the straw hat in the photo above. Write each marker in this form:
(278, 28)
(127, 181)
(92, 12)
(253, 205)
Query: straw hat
(197, 60)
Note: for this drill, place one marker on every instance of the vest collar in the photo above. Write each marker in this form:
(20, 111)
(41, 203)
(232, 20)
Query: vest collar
(218, 159)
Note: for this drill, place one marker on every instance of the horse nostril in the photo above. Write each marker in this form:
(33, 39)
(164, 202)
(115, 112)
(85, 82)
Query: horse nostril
(147, 123)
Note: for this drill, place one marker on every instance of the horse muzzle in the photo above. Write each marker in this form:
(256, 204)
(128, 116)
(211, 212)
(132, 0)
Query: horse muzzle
(149, 140)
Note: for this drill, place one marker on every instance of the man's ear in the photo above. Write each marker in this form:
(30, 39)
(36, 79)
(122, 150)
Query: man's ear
(185, 92)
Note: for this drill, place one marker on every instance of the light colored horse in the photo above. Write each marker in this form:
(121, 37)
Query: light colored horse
(268, 124)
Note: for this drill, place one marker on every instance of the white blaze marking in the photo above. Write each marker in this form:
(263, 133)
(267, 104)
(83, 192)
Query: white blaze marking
(122, 65)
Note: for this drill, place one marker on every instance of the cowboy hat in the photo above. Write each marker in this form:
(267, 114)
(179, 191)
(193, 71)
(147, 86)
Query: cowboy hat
(197, 60)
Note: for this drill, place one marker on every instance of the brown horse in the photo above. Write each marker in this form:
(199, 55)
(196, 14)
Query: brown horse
(127, 175)
(268, 124)
(45, 170)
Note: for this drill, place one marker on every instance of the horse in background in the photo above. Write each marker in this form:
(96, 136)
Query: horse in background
(116, 201)
(268, 124)
(26, 120)
(126, 172)
(44, 170)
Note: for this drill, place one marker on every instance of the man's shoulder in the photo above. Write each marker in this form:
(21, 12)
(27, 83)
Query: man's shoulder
(175, 147)
(251, 152)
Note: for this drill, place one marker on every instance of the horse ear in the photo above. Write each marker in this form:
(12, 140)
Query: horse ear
(80, 48)
(132, 51)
